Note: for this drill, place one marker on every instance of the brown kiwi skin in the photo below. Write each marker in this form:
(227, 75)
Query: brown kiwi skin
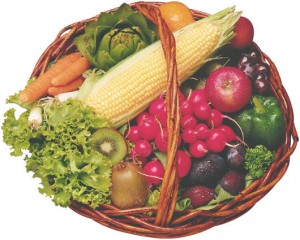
(129, 186)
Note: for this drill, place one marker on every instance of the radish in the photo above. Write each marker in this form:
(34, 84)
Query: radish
(161, 140)
(189, 135)
(133, 134)
(202, 110)
(188, 121)
(137, 158)
(142, 116)
(219, 138)
(148, 128)
(154, 172)
(186, 108)
(215, 119)
(216, 140)
(230, 134)
(142, 148)
(157, 106)
(158, 109)
(198, 149)
(197, 96)
(202, 131)
(181, 97)
(184, 163)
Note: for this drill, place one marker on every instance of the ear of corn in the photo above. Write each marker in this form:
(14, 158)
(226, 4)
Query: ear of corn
(129, 87)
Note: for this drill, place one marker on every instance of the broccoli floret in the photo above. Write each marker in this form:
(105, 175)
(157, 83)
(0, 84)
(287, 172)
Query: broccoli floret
(258, 159)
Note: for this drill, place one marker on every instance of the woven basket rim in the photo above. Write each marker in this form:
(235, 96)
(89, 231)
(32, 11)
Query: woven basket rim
(188, 222)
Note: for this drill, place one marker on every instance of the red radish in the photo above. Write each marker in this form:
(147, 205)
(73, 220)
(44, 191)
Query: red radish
(181, 97)
(137, 158)
(188, 121)
(158, 109)
(198, 149)
(244, 34)
(154, 172)
(230, 134)
(197, 96)
(186, 108)
(189, 135)
(184, 163)
(161, 140)
(216, 140)
(202, 110)
(133, 134)
(142, 116)
(228, 89)
(162, 118)
(142, 148)
(201, 131)
(148, 128)
(215, 118)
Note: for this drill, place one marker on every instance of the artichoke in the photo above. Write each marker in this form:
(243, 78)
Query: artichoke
(115, 36)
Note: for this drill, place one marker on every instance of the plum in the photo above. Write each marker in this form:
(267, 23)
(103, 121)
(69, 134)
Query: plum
(206, 171)
(199, 195)
(236, 156)
(233, 182)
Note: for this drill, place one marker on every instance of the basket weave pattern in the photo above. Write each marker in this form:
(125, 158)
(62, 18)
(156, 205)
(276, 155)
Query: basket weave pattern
(165, 222)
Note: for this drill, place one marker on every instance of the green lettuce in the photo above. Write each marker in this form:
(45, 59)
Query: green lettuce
(181, 203)
(222, 197)
(59, 152)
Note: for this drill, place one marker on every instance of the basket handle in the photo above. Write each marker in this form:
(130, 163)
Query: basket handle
(169, 189)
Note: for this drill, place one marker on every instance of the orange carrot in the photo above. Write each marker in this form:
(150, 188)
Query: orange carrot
(70, 87)
(71, 72)
(39, 87)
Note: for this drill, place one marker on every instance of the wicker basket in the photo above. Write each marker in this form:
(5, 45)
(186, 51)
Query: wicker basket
(166, 222)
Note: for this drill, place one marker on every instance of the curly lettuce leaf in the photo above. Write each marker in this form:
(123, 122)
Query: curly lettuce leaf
(181, 203)
(16, 132)
(60, 153)
(222, 196)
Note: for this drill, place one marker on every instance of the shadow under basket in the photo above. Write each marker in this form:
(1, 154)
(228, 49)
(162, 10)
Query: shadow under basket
(165, 222)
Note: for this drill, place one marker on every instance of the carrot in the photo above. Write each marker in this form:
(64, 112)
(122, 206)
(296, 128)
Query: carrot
(69, 87)
(71, 72)
(40, 86)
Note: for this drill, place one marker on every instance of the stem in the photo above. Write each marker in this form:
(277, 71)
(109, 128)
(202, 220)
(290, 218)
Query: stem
(258, 107)
(65, 96)
(35, 117)
(236, 123)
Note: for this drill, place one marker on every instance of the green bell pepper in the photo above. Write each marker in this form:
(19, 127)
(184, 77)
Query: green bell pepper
(263, 123)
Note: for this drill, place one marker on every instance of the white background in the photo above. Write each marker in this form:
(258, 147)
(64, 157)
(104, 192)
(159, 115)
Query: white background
(27, 27)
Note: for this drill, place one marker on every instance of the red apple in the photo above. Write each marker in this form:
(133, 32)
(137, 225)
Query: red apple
(244, 33)
(228, 89)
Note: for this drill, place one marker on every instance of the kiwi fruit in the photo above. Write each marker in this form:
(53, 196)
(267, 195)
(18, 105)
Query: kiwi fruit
(110, 143)
(129, 186)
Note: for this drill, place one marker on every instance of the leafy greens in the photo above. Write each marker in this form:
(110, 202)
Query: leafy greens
(59, 152)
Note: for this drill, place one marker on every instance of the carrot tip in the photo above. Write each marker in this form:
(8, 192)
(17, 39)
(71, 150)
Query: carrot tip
(23, 98)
